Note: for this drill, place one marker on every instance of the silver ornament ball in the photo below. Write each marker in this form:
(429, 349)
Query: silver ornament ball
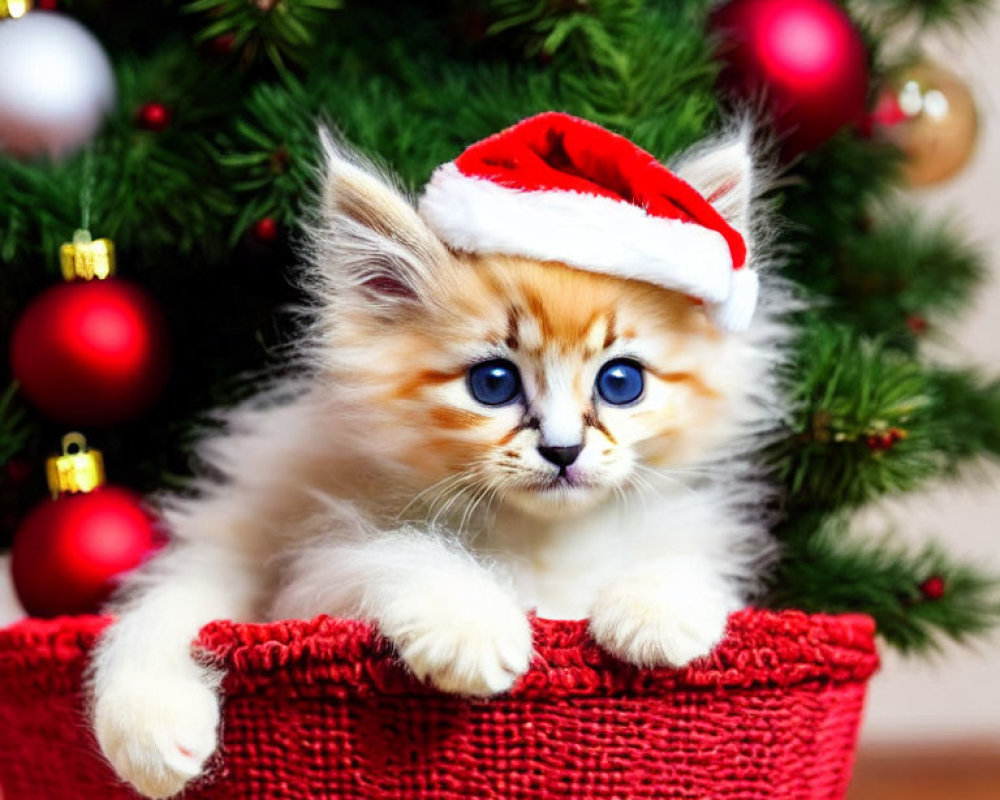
(56, 85)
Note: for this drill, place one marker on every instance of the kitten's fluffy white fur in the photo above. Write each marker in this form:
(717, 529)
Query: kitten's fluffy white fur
(311, 508)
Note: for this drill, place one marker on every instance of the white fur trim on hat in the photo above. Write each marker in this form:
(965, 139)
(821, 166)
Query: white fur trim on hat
(735, 312)
(594, 233)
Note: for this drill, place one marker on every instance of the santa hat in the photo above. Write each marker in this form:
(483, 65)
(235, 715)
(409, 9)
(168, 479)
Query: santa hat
(557, 188)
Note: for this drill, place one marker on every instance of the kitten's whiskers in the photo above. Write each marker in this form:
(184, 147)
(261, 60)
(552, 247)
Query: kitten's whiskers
(482, 494)
(460, 488)
(435, 490)
(660, 480)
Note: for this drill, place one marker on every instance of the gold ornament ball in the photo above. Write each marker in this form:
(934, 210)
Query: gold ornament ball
(928, 112)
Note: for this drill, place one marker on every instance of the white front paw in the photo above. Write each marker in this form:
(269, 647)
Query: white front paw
(475, 643)
(649, 626)
(157, 731)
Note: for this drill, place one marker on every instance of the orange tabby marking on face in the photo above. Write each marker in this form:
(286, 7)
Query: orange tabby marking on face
(508, 437)
(456, 418)
(689, 378)
(428, 377)
(569, 327)
(511, 339)
(610, 337)
(591, 420)
(539, 314)
(545, 319)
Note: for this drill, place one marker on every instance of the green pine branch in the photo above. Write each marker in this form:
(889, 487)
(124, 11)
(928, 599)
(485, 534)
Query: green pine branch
(831, 572)
(659, 90)
(924, 13)
(389, 103)
(269, 154)
(869, 421)
(282, 31)
(14, 434)
(588, 29)
(826, 200)
(904, 274)
(966, 422)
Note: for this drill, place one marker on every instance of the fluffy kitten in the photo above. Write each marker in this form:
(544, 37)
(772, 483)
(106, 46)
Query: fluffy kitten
(380, 487)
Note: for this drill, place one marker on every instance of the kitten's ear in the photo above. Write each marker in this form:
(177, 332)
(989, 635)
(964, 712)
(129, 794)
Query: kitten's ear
(369, 239)
(723, 172)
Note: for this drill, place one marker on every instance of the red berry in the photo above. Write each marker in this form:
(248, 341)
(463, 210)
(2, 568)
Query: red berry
(153, 117)
(933, 587)
(46, 5)
(280, 159)
(222, 45)
(916, 323)
(265, 230)
(878, 442)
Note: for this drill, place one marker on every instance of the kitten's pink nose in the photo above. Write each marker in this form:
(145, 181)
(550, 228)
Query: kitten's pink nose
(560, 456)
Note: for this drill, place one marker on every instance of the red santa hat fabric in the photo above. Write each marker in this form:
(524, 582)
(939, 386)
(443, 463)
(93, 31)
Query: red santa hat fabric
(558, 188)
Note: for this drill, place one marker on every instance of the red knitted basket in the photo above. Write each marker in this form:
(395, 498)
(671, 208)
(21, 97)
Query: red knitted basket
(322, 709)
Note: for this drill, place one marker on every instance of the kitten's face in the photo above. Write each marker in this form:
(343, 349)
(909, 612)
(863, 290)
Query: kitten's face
(547, 387)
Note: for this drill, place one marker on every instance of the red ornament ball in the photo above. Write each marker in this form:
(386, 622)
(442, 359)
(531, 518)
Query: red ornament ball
(153, 117)
(91, 353)
(265, 230)
(933, 588)
(68, 552)
(802, 59)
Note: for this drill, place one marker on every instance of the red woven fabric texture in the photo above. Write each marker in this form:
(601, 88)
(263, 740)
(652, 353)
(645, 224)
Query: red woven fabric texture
(322, 711)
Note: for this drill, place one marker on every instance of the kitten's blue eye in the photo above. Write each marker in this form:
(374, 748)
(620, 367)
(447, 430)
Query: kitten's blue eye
(494, 383)
(620, 382)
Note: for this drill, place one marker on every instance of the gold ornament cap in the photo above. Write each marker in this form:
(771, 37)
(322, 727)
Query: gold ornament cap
(78, 469)
(14, 9)
(85, 258)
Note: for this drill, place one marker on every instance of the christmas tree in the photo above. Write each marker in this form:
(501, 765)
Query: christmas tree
(205, 161)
